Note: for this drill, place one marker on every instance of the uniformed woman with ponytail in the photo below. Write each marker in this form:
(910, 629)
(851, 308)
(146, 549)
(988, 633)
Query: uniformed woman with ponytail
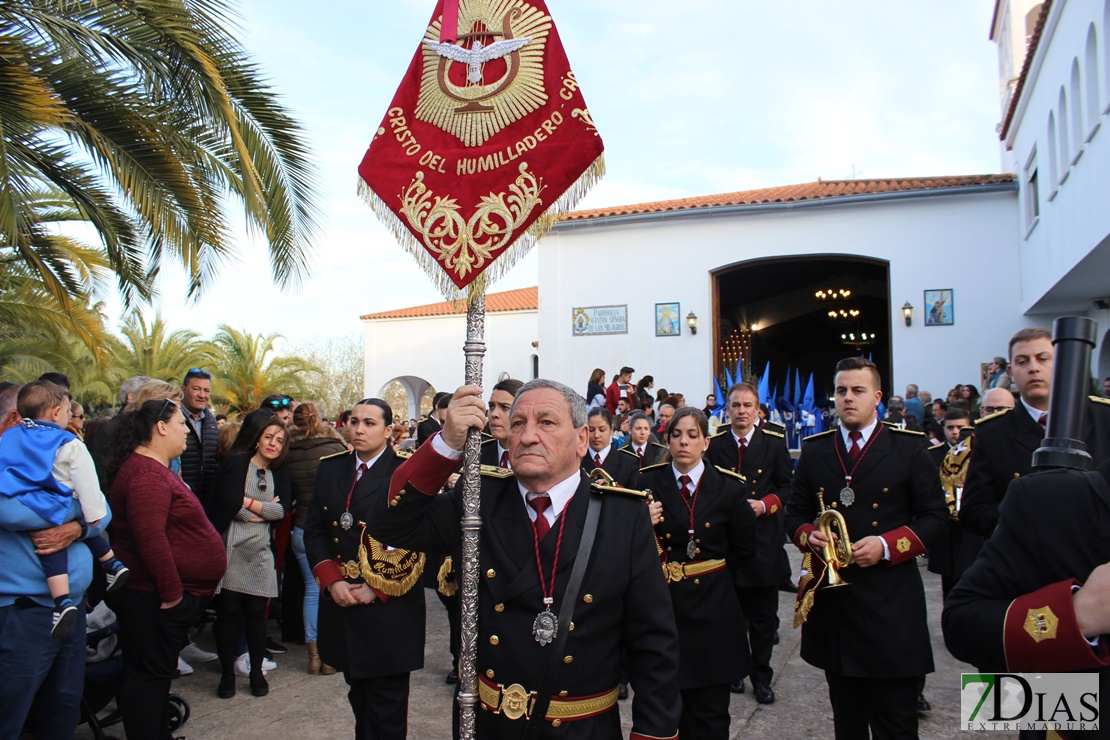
(601, 453)
(707, 531)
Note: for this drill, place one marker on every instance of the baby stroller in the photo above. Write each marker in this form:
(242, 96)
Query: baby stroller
(104, 674)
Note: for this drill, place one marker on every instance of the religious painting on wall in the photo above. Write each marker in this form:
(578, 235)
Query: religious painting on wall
(667, 320)
(939, 310)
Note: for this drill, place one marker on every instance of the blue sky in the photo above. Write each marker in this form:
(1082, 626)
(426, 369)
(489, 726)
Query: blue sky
(690, 98)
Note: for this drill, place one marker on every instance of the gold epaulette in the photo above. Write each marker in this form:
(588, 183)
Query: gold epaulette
(337, 454)
(819, 434)
(403, 454)
(492, 471)
(938, 445)
(628, 451)
(896, 428)
(487, 439)
(995, 415)
(731, 472)
(1100, 399)
(780, 435)
(653, 467)
(728, 430)
(659, 445)
(604, 488)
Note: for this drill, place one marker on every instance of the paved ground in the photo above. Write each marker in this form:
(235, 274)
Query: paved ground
(303, 706)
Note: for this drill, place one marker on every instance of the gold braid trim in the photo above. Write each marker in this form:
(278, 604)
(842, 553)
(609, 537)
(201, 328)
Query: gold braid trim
(393, 572)
(448, 586)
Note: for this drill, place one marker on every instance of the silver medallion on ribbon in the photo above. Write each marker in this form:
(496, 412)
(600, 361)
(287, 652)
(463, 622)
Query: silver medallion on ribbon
(691, 549)
(346, 521)
(847, 496)
(546, 625)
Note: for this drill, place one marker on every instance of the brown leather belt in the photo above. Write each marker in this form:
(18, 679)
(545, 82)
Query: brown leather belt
(514, 701)
(675, 572)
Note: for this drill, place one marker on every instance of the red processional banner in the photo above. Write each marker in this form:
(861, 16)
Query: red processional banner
(487, 141)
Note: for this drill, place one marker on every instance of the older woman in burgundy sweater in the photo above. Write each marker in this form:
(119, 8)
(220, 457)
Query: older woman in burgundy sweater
(175, 556)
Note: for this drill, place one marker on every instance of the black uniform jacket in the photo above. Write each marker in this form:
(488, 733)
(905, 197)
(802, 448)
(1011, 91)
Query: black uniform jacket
(767, 470)
(426, 429)
(1012, 610)
(624, 469)
(1004, 447)
(489, 454)
(653, 452)
(706, 607)
(386, 637)
(876, 626)
(624, 603)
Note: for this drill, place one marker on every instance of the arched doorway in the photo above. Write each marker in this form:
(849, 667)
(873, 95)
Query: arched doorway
(804, 313)
(408, 396)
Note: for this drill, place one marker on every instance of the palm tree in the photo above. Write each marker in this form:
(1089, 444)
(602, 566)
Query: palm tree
(245, 375)
(154, 351)
(145, 115)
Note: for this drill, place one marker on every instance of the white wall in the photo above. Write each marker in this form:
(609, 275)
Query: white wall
(965, 242)
(431, 348)
(1062, 263)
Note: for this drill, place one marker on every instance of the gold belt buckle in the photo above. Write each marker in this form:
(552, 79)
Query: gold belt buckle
(515, 702)
(350, 569)
(673, 572)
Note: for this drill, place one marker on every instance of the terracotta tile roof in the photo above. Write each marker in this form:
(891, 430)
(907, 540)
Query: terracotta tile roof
(522, 299)
(789, 193)
(1030, 52)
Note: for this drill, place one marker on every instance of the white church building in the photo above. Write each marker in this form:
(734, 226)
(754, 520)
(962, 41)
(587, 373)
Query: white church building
(802, 275)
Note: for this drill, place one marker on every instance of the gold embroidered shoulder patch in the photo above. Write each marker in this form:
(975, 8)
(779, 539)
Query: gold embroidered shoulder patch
(1041, 624)
(903, 544)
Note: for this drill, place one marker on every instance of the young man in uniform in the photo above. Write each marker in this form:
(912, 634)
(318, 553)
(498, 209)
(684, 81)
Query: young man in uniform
(871, 638)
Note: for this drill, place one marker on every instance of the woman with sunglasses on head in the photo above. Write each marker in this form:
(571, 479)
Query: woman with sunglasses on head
(281, 405)
(708, 529)
(175, 556)
(252, 491)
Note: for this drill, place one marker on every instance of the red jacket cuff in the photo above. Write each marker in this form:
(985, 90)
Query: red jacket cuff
(326, 573)
(801, 537)
(426, 471)
(640, 736)
(903, 544)
(1042, 634)
(773, 504)
(382, 597)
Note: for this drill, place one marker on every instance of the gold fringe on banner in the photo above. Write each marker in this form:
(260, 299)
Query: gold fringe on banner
(506, 260)
(447, 583)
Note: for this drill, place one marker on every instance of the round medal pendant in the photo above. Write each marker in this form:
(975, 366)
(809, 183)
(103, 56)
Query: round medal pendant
(847, 496)
(545, 627)
(691, 549)
(346, 521)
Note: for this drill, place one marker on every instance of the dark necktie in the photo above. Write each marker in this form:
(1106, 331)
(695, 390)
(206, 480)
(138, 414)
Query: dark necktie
(597, 460)
(361, 469)
(504, 459)
(1043, 421)
(684, 487)
(853, 451)
(743, 445)
(539, 504)
(640, 453)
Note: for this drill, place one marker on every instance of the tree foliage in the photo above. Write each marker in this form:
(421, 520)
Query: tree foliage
(247, 369)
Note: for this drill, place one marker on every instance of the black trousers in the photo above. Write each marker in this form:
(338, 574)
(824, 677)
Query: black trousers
(229, 607)
(761, 610)
(879, 708)
(453, 605)
(151, 638)
(705, 713)
(381, 706)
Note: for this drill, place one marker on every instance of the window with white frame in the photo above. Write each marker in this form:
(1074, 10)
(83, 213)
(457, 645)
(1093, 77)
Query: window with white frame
(1032, 197)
